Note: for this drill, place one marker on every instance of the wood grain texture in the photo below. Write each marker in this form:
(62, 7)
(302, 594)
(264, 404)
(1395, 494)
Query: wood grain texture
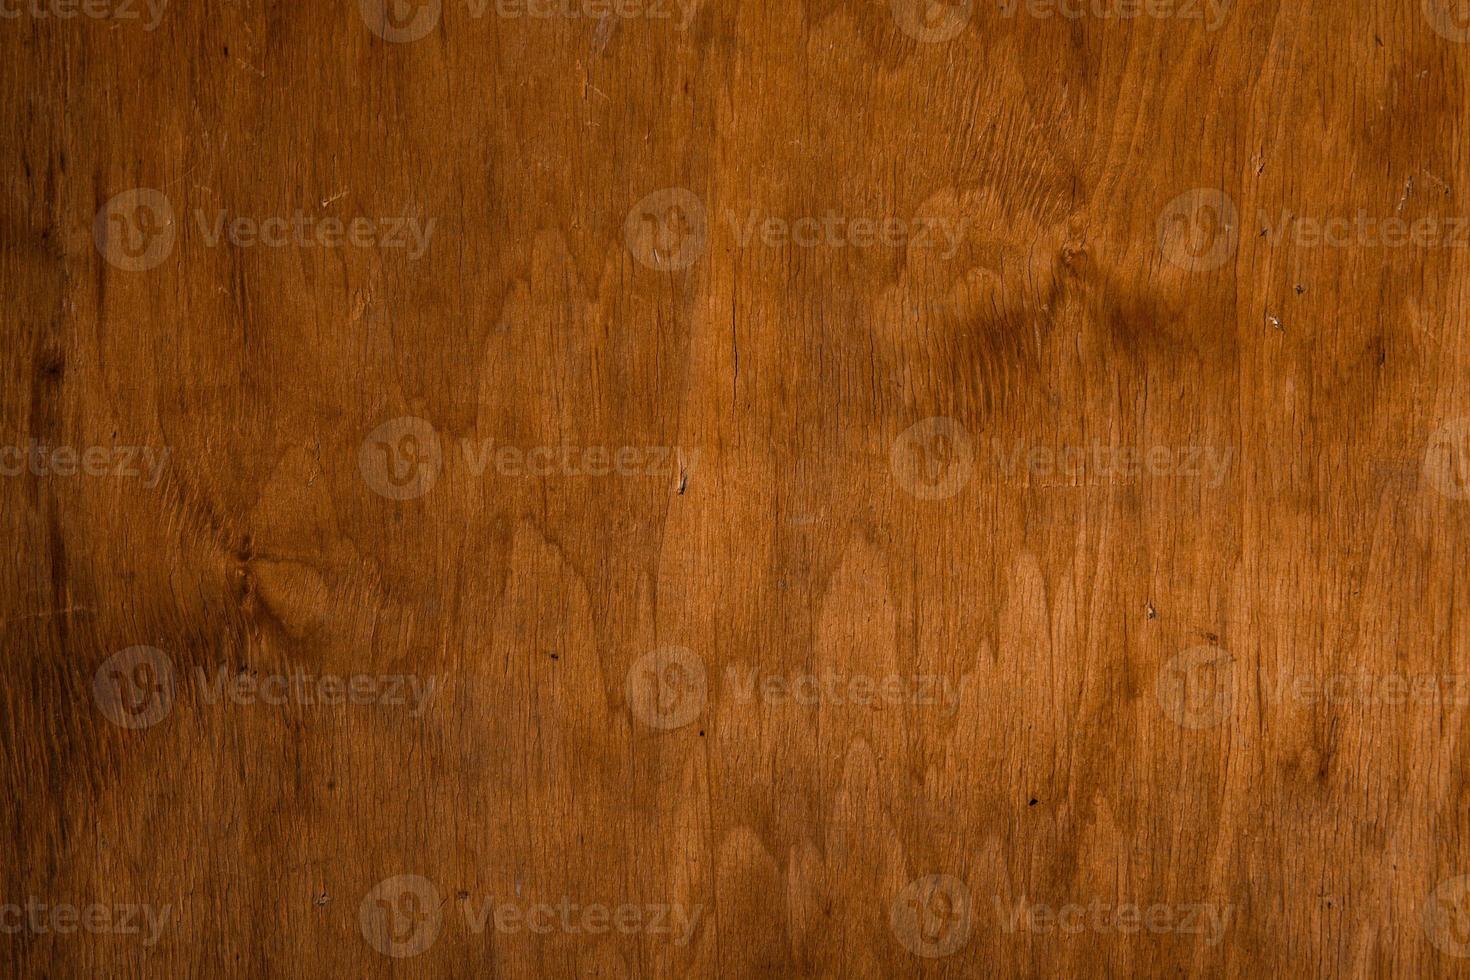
(960, 528)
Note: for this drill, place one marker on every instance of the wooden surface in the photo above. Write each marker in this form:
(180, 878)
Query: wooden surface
(843, 489)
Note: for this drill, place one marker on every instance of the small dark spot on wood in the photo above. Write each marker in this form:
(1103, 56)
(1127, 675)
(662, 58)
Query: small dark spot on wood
(52, 363)
(1032, 802)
